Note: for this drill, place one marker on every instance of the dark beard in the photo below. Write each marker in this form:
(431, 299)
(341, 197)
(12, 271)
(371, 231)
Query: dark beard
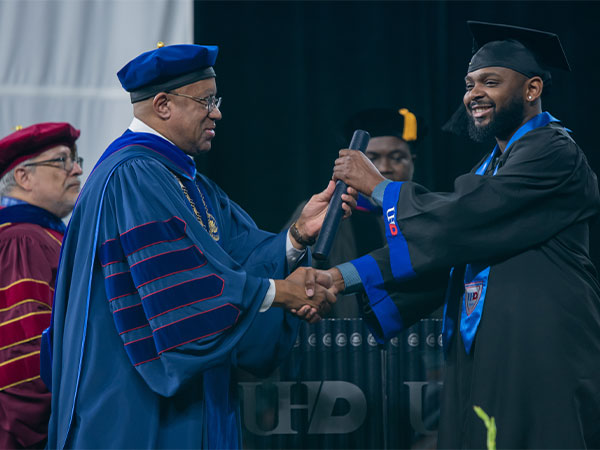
(503, 123)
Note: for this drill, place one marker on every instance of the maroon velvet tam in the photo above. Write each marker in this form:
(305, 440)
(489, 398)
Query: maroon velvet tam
(31, 141)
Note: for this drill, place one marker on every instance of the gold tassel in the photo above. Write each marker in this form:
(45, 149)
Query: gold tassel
(410, 125)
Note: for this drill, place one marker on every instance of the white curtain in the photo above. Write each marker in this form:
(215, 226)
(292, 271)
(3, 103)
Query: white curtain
(59, 59)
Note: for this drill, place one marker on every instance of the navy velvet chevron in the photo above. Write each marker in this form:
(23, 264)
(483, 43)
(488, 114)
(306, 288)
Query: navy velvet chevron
(134, 262)
(119, 285)
(152, 233)
(141, 350)
(165, 264)
(111, 252)
(183, 294)
(186, 330)
(130, 318)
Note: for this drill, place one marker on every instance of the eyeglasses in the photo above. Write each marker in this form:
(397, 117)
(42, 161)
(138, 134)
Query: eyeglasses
(211, 102)
(67, 162)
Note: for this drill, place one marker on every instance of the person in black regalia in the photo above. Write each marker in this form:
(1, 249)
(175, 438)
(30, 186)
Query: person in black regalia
(522, 314)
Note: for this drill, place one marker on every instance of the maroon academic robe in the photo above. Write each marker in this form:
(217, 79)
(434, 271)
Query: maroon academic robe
(29, 257)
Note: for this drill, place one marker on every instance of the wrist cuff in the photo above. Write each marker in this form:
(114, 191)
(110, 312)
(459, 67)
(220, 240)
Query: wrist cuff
(379, 191)
(352, 281)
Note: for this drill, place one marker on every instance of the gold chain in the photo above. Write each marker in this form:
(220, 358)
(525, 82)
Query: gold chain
(187, 195)
(212, 228)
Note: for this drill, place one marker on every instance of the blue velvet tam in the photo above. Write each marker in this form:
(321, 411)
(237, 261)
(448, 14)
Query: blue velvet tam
(167, 68)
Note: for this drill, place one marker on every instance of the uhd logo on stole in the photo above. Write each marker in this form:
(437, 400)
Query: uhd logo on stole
(391, 218)
(472, 296)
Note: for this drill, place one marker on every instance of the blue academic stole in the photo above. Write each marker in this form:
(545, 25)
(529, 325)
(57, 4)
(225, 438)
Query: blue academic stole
(477, 275)
(26, 213)
(200, 203)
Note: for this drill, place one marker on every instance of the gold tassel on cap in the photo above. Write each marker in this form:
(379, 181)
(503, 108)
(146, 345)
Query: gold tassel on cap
(160, 44)
(18, 127)
(410, 125)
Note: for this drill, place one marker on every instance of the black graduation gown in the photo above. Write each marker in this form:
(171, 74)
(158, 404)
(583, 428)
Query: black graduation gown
(535, 361)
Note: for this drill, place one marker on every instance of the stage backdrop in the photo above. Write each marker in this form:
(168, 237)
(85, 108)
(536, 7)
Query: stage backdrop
(59, 59)
(291, 72)
(341, 390)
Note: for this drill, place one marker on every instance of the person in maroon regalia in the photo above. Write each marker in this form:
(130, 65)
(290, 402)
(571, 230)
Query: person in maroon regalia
(39, 184)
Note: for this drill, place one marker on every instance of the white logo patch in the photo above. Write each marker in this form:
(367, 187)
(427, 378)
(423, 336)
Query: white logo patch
(472, 296)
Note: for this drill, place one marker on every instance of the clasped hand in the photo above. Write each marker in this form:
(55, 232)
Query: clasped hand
(309, 293)
(355, 169)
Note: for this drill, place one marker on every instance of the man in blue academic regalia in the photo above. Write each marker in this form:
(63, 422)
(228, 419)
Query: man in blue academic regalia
(165, 283)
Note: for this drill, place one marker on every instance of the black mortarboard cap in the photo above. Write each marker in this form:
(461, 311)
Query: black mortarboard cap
(524, 50)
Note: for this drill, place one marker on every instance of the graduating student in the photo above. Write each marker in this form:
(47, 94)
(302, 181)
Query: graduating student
(165, 283)
(522, 318)
(39, 182)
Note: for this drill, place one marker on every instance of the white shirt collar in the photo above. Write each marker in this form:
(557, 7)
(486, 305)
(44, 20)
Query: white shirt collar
(137, 126)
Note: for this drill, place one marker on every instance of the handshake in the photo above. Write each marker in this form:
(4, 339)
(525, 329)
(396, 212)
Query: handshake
(309, 293)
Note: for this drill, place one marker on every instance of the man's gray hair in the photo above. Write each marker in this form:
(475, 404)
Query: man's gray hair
(8, 182)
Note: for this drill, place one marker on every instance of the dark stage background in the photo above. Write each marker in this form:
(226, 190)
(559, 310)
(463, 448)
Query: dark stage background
(291, 72)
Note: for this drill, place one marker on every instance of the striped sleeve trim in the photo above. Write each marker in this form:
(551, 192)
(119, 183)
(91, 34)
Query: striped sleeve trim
(198, 326)
(16, 319)
(177, 333)
(25, 289)
(111, 252)
(182, 294)
(130, 318)
(165, 264)
(152, 233)
(119, 285)
(23, 329)
(141, 350)
(19, 370)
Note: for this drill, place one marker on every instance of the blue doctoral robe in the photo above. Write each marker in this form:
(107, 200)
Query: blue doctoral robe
(151, 311)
